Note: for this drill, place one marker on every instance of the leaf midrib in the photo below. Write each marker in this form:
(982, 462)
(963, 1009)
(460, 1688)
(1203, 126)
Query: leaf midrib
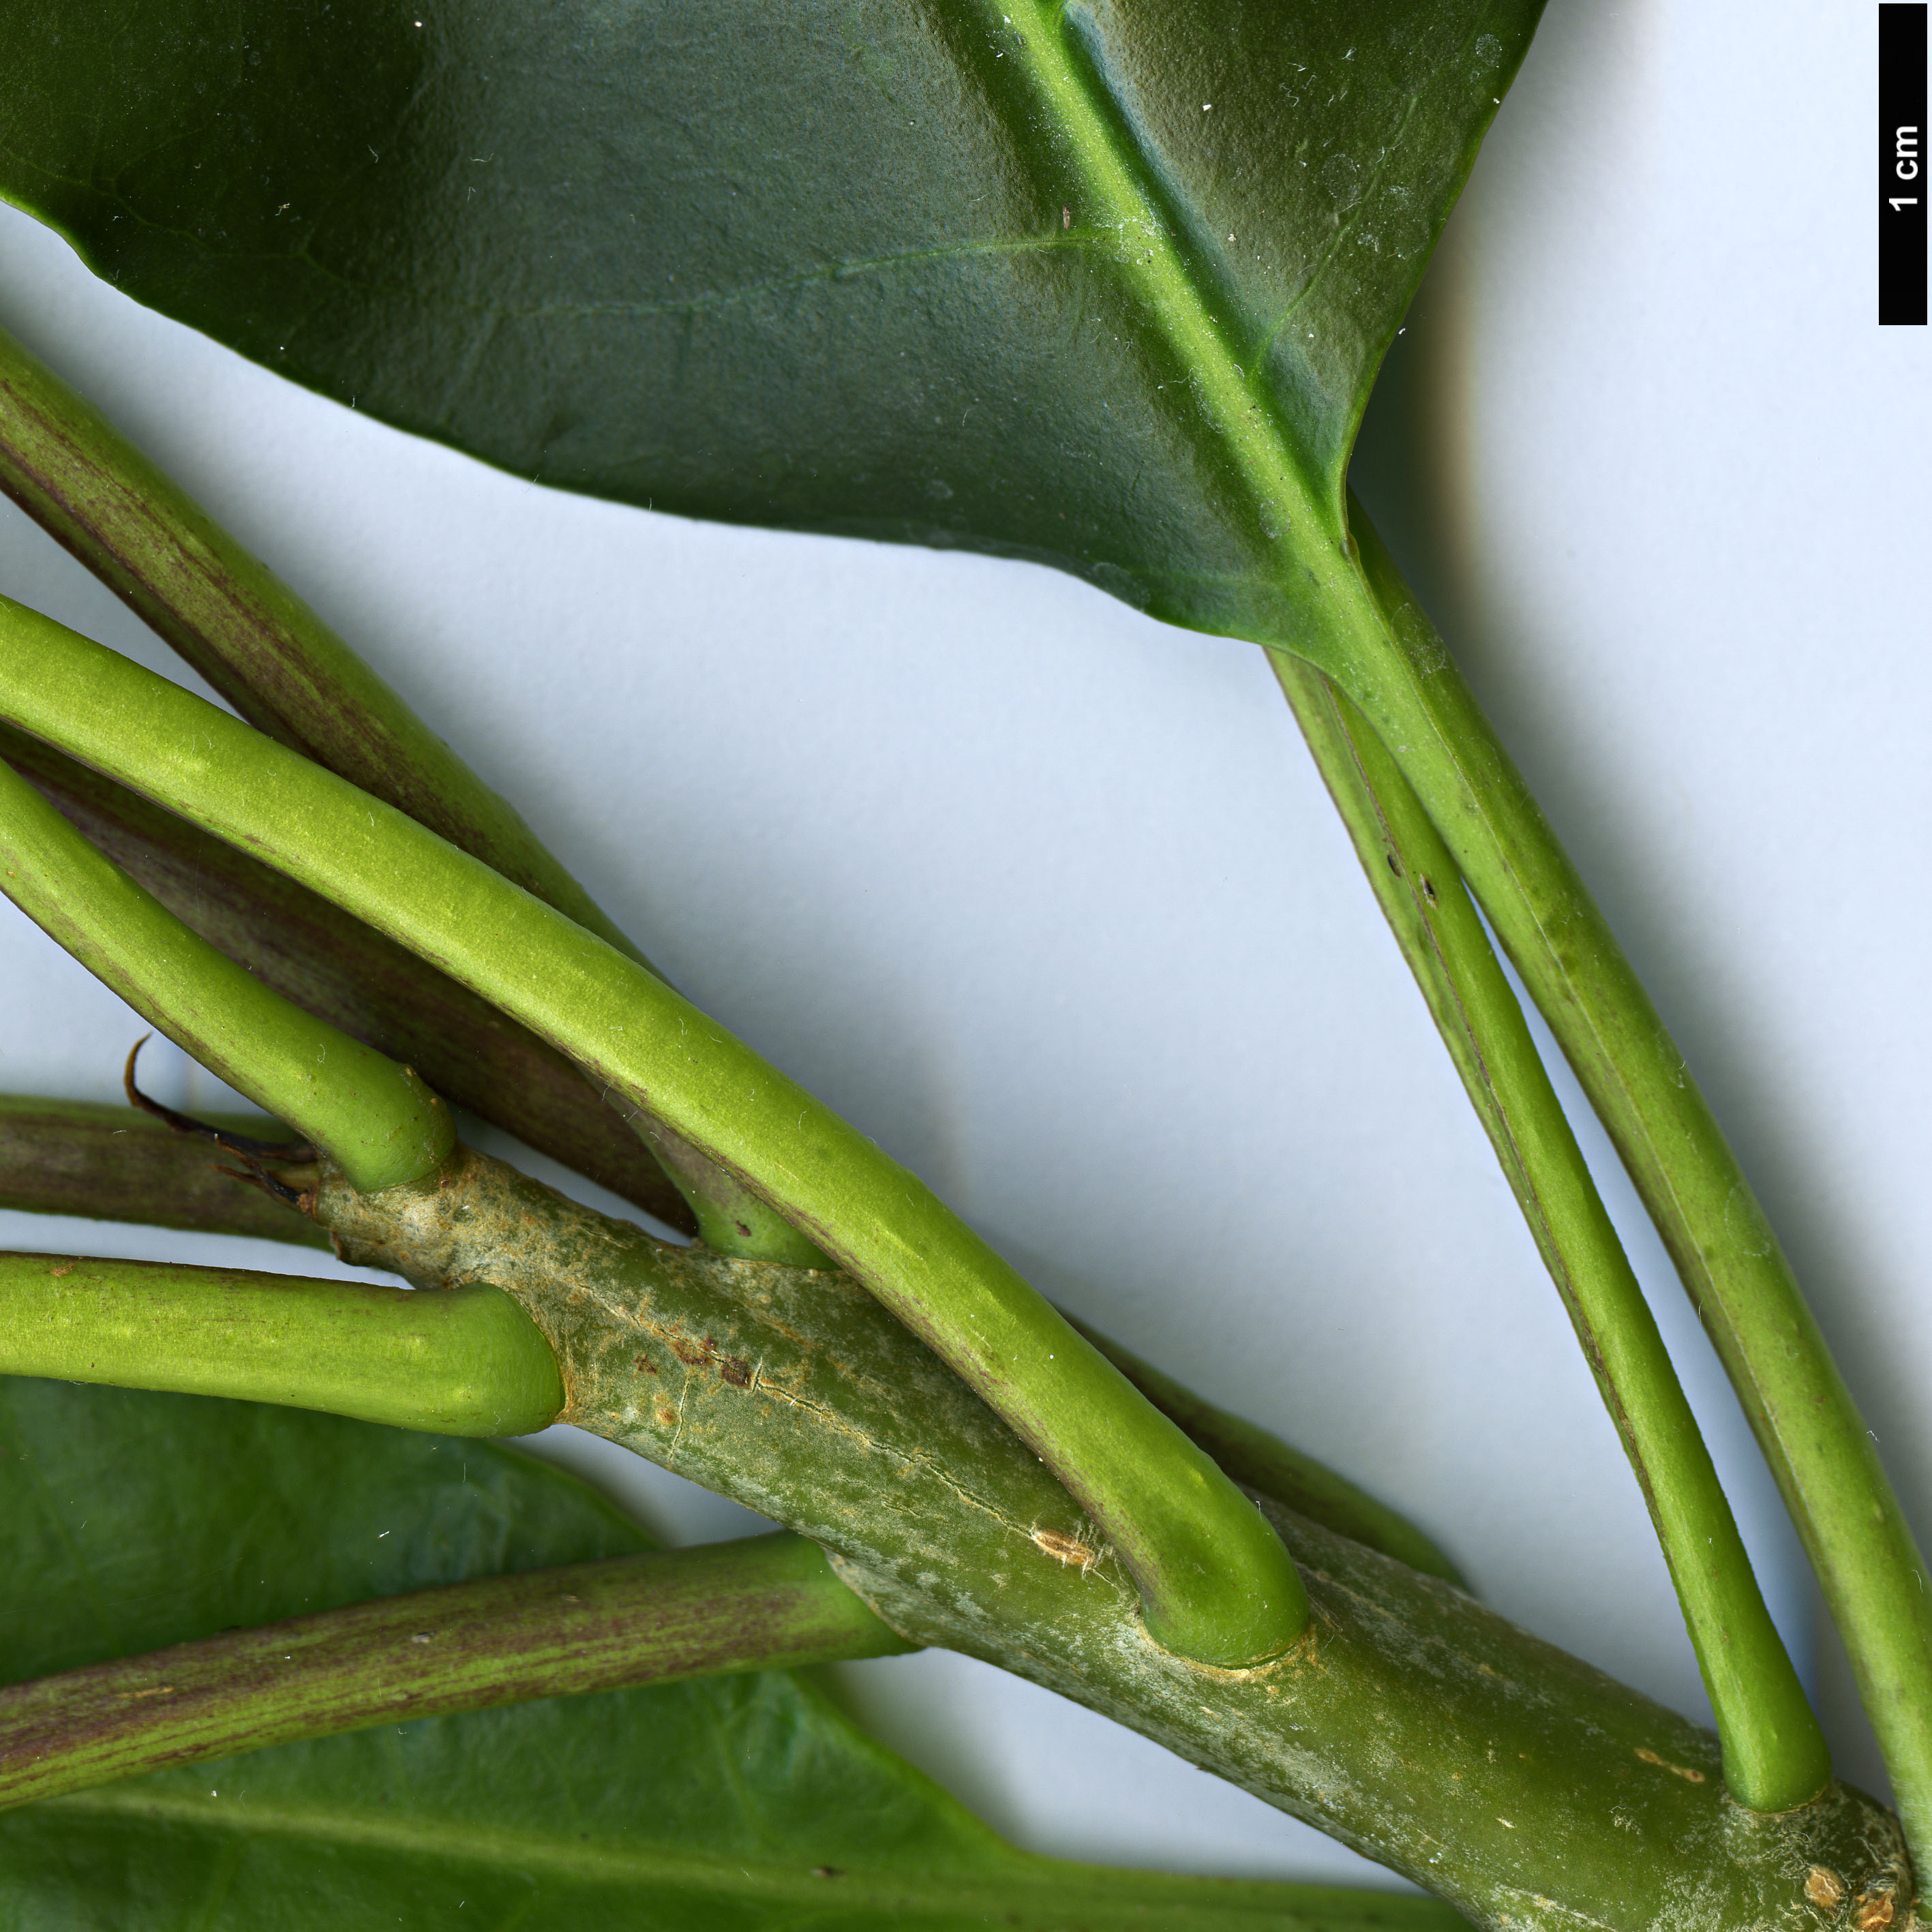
(946, 1891)
(481, 1843)
(1241, 413)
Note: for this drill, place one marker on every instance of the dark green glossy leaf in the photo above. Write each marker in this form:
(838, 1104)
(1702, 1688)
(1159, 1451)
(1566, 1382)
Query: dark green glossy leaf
(1082, 286)
(129, 1521)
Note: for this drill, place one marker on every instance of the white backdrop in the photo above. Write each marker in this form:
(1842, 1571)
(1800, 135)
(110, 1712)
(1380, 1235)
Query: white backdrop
(1046, 898)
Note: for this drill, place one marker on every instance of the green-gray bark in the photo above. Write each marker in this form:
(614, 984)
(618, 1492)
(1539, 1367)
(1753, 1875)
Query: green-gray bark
(1520, 1784)
(73, 1157)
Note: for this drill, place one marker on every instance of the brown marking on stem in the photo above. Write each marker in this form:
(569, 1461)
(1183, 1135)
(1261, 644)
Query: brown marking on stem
(1874, 1909)
(1824, 1888)
(734, 1369)
(1068, 1550)
(1683, 1771)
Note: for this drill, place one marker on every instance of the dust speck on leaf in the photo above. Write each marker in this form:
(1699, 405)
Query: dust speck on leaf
(1341, 180)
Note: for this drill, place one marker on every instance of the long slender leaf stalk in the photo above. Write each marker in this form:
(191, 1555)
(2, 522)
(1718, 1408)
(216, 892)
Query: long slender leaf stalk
(245, 631)
(114, 1164)
(336, 968)
(377, 1119)
(1873, 1576)
(468, 1363)
(751, 1801)
(289, 675)
(1218, 1586)
(1775, 1755)
(763, 1603)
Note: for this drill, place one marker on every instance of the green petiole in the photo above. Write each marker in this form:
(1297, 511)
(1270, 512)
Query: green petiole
(1216, 1582)
(1775, 1755)
(763, 1603)
(1384, 652)
(245, 631)
(378, 1120)
(467, 1362)
(314, 954)
(1260, 1461)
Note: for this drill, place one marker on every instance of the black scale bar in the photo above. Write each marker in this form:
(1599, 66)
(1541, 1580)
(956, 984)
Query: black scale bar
(1902, 179)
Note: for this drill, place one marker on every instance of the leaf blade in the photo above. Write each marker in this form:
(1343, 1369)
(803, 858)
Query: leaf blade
(864, 275)
(129, 1520)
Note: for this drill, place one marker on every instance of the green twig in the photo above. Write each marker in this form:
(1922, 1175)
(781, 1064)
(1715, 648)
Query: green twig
(1523, 1786)
(762, 1604)
(61, 1156)
(1217, 1582)
(1775, 1755)
(1408, 1720)
(467, 1363)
